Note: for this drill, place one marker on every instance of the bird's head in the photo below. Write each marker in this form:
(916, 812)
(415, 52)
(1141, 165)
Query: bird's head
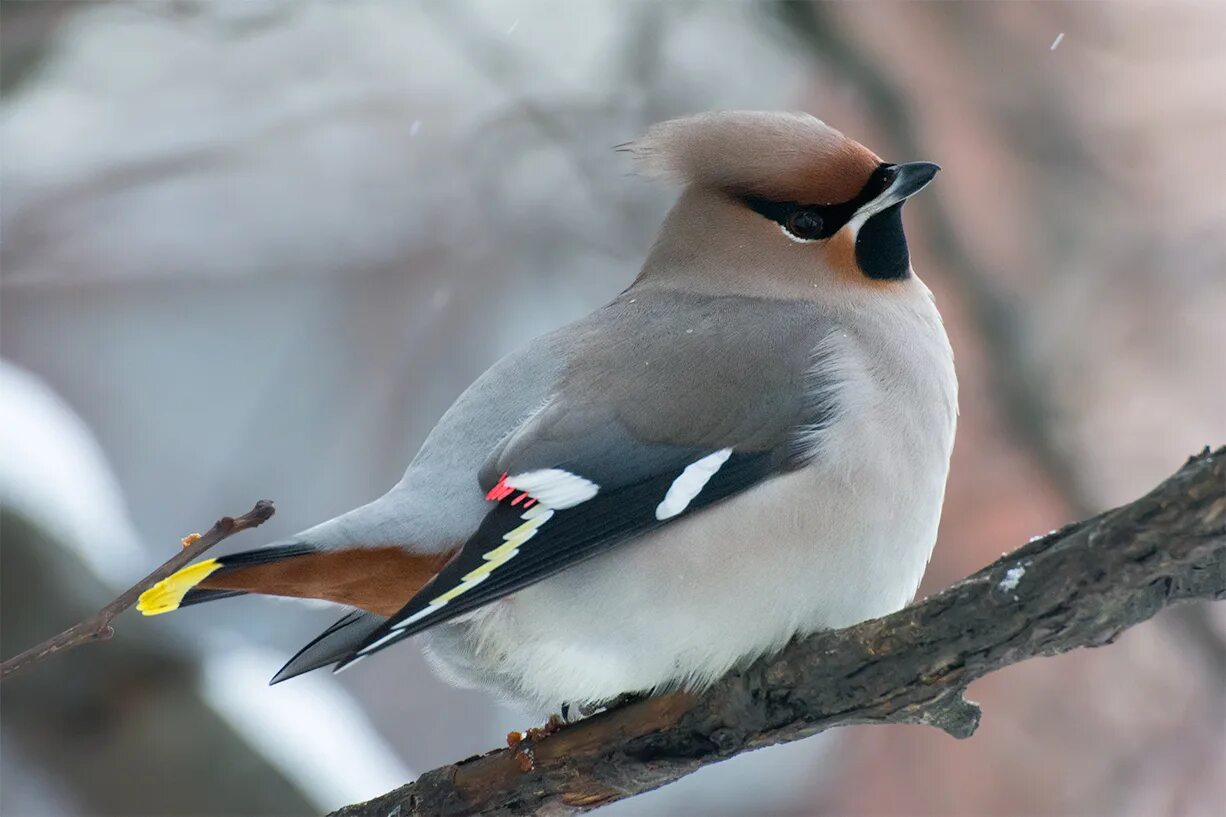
(777, 204)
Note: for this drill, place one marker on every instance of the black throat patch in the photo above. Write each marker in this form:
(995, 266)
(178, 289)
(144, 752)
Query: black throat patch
(881, 247)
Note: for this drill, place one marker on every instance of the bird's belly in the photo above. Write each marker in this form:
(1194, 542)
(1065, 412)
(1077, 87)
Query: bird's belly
(823, 547)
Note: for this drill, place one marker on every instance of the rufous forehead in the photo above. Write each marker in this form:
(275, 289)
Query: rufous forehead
(778, 156)
(831, 177)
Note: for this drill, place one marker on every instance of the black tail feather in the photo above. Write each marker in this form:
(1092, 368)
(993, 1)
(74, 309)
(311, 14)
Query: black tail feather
(199, 596)
(333, 644)
(259, 556)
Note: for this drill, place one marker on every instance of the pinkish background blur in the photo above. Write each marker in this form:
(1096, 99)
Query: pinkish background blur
(255, 249)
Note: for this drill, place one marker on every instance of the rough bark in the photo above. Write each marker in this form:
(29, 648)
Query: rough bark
(1080, 586)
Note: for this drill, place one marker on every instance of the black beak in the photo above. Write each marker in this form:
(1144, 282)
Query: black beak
(910, 178)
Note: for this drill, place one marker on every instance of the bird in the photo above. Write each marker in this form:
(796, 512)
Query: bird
(749, 444)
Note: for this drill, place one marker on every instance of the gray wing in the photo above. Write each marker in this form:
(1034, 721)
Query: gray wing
(669, 403)
(438, 504)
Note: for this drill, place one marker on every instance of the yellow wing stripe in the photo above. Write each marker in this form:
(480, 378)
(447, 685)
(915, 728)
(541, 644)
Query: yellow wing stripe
(512, 540)
(167, 594)
(458, 590)
(533, 519)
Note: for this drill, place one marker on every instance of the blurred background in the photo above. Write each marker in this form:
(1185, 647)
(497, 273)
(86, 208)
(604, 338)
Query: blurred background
(254, 249)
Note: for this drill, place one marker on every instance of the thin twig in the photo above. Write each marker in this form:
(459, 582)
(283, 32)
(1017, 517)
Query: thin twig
(98, 626)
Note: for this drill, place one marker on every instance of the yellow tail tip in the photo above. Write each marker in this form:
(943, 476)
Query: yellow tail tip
(167, 594)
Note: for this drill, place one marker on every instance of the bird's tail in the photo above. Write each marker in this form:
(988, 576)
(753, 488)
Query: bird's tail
(199, 582)
(376, 579)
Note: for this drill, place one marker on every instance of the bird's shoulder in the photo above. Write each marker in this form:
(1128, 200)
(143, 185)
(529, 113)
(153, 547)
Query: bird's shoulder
(658, 375)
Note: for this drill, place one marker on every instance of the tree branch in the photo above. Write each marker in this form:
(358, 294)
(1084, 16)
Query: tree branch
(98, 626)
(1080, 586)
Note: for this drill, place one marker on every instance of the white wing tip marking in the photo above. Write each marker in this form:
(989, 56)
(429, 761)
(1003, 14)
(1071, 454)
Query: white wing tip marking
(690, 484)
(554, 487)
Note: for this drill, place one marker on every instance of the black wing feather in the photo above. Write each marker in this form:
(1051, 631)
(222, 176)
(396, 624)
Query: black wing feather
(570, 536)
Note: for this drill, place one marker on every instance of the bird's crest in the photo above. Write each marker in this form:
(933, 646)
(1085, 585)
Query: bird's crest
(778, 156)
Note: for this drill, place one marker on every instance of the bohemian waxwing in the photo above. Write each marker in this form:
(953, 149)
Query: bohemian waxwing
(750, 443)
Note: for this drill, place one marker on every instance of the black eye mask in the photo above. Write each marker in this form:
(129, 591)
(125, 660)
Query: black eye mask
(833, 216)
(881, 247)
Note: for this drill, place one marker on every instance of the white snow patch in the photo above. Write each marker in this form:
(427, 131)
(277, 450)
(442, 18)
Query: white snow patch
(53, 471)
(1012, 576)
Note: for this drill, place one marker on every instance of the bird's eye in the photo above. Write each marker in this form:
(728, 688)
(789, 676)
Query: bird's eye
(805, 224)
